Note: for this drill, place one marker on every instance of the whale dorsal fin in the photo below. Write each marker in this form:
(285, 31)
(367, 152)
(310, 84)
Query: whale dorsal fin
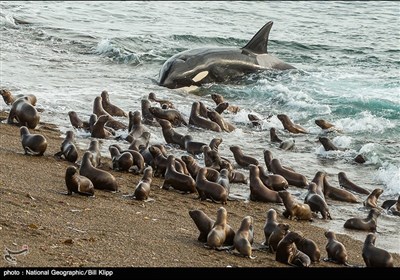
(259, 42)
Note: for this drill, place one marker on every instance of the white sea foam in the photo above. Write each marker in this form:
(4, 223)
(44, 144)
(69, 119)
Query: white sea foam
(365, 121)
(389, 175)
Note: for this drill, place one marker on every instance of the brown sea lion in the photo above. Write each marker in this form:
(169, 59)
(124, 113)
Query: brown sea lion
(389, 203)
(337, 253)
(271, 222)
(273, 136)
(327, 144)
(142, 189)
(76, 122)
(367, 224)
(101, 179)
(287, 144)
(203, 223)
(244, 237)
(276, 236)
(120, 161)
(258, 191)
(372, 199)
(77, 183)
(347, 184)
(254, 119)
(308, 247)
(294, 209)
(316, 202)
(98, 109)
(159, 161)
(170, 135)
(112, 109)
(221, 107)
(289, 125)
(288, 253)
(237, 177)
(98, 130)
(359, 159)
(138, 161)
(293, 178)
(221, 233)
(180, 166)
(203, 110)
(318, 179)
(241, 159)
(33, 144)
(395, 208)
(338, 194)
(10, 98)
(214, 143)
(172, 115)
(177, 180)
(218, 99)
(217, 118)
(324, 124)
(267, 159)
(162, 102)
(193, 147)
(191, 164)
(68, 149)
(24, 112)
(197, 120)
(374, 256)
(147, 116)
(142, 142)
(209, 189)
(135, 126)
(94, 148)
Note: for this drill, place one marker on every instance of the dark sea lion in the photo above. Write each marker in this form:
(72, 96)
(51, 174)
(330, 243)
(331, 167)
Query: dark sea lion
(203, 223)
(294, 209)
(367, 224)
(214, 143)
(177, 180)
(374, 256)
(101, 179)
(68, 149)
(120, 161)
(254, 119)
(327, 144)
(347, 184)
(372, 199)
(193, 147)
(218, 99)
(94, 148)
(159, 161)
(217, 118)
(138, 161)
(170, 135)
(191, 164)
(316, 202)
(142, 142)
(210, 189)
(98, 130)
(142, 189)
(289, 125)
(98, 109)
(287, 144)
(33, 144)
(273, 136)
(237, 177)
(267, 159)
(258, 191)
(221, 233)
(319, 181)
(180, 166)
(10, 98)
(197, 120)
(147, 116)
(244, 237)
(112, 109)
(338, 194)
(388, 203)
(162, 102)
(241, 159)
(337, 253)
(202, 110)
(135, 126)
(172, 115)
(270, 224)
(276, 236)
(359, 159)
(221, 107)
(115, 124)
(288, 253)
(76, 122)
(293, 178)
(24, 112)
(77, 183)
(308, 247)
(324, 124)
(395, 208)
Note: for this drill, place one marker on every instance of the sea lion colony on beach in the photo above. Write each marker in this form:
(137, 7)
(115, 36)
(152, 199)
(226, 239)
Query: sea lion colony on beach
(186, 175)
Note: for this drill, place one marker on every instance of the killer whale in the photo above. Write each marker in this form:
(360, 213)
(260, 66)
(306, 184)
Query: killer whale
(206, 65)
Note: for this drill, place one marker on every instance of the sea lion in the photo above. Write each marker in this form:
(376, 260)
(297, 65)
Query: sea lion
(203, 223)
(68, 149)
(221, 107)
(98, 109)
(214, 143)
(338, 194)
(319, 181)
(395, 208)
(10, 98)
(367, 224)
(273, 136)
(142, 189)
(217, 118)
(177, 180)
(258, 191)
(327, 144)
(243, 239)
(209, 189)
(112, 109)
(77, 183)
(372, 199)
(316, 202)
(287, 144)
(159, 161)
(324, 124)
(218, 99)
(120, 161)
(237, 177)
(308, 247)
(101, 179)
(147, 116)
(76, 122)
(388, 203)
(202, 110)
(337, 253)
(170, 135)
(254, 119)
(276, 236)
(162, 102)
(24, 112)
(294, 209)
(287, 252)
(135, 126)
(138, 161)
(193, 147)
(223, 179)
(221, 233)
(267, 159)
(197, 120)
(359, 159)
(293, 178)
(191, 165)
(374, 256)
(347, 184)
(290, 126)
(33, 144)
(271, 222)
(241, 159)
(180, 166)
(98, 130)
(142, 142)
(172, 115)
(94, 148)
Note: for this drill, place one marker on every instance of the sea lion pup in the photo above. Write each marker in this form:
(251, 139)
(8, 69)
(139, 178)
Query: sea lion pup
(324, 124)
(101, 179)
(177, 180)
(359, 159)
(197, 120)
(294, 209)
(347, 184)
(223, 179)
(77, 183)
(327, 144)
(237, 177)
(217, 118)
(372, 199)
(94, 148)
(373, 256)
(24, 112)
(193, 147)
(258, 191)
(241, 159)
(308, 247)
(8, 97)
(293, 178)
(76, 122)
(172, 115)
(289, 125)
(288, 253)
(33, 144)
(319, 181)
(138, 161)
(120, 161)
(142, 142)
(142, 189)
(147, 116)
(316, 202)
(395, 208)
(338, 194)
(98, 130)
(337, 253)
(209, 189)
(255, 121)
(367, 224)
(112, 109)
(271, 222)
(203, 223)
(273, 136)
(267, 159)
(193, 167)
(162, 102)
(214, 144)
(221, 107)
(244, 237)
(159, 161)
(170, 135)
(68, 149)
(203, 110)
(276, 236)
(221, 233)
(135, 126)
(218, 99)
(287, 144)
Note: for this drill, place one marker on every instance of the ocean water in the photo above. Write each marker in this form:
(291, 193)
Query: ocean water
(347, 57)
